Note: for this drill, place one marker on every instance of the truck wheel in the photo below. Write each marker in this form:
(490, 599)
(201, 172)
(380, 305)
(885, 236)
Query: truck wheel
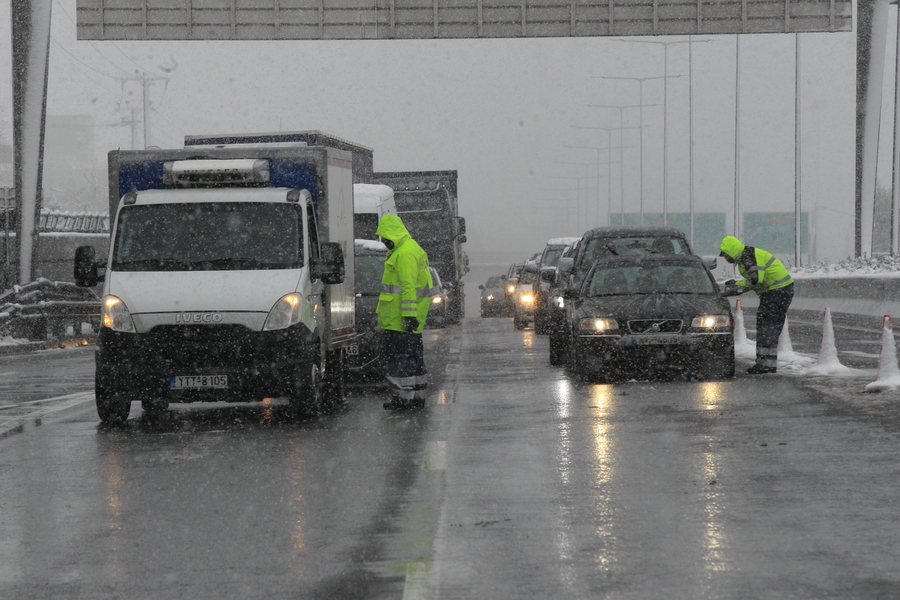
(308, 387)
(111, 407)
(334, 391)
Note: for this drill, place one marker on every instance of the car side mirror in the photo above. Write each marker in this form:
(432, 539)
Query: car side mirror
(711, 262)
(86, 271)
(548, 275)
(531, 267)
(570, 294)
(480, 287)
(565, 265)
(329, 267)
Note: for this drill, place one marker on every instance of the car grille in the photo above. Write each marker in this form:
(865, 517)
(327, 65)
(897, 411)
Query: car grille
(655, 326)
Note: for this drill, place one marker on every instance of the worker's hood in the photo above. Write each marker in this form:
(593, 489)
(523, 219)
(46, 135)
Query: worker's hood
(731, 246)
(391, 227)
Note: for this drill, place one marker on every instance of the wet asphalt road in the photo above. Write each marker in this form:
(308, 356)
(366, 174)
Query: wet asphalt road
(515, 482)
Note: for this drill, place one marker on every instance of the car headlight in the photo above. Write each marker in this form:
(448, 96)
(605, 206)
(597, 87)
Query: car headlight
(559, 302)
(711, 322)
(490, 297)
(437, 300)
(526, 298)
(598, 325)
(116, 315)
(285, 313)
(511, 289)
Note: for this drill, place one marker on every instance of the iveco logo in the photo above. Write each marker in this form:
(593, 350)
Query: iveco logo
(198, 318)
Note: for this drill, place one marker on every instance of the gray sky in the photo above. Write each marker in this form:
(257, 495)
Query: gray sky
(503, 113)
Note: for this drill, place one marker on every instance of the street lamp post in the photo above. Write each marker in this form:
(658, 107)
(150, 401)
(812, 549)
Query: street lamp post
(641, 81)
(609, 148)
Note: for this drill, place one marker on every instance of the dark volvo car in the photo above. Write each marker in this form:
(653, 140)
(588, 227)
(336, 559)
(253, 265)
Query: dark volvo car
(645, 315)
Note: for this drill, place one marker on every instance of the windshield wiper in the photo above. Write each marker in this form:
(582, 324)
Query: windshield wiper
(236, 263)
(154, 264)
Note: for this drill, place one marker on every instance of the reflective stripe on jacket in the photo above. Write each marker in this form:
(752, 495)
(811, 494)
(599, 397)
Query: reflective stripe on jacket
(406, 285)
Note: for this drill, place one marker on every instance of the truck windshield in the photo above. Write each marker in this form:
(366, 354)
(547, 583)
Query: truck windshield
(213, 236)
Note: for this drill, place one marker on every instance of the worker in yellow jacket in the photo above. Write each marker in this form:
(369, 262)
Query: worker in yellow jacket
(768, 277)
(406, 290)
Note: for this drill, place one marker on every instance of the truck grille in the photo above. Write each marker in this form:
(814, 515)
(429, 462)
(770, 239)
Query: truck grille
(655, 326)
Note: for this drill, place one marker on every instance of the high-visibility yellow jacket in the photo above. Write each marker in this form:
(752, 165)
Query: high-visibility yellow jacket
(406, 286)
(762, 272)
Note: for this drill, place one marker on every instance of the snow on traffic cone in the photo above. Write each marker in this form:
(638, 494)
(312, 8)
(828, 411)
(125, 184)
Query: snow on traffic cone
(785, 347)
(828, 362)
(888, 377)
(743, 347)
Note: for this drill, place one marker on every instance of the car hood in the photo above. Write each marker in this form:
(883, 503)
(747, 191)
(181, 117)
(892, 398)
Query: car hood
(653, 306)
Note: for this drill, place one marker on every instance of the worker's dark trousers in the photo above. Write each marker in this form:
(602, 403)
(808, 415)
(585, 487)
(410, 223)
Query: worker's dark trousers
(405, 371)
(773, 307)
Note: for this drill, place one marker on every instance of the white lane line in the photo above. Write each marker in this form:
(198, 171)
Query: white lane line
(435, 456)
(416, 586)
(16, 423)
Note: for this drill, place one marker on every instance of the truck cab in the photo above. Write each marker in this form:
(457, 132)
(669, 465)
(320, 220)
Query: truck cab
(225, 279)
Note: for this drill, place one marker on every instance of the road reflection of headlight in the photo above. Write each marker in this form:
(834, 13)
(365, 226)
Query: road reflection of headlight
(711, 321)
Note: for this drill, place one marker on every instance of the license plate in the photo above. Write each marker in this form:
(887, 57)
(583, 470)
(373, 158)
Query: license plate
(353, 350)
(198, 382)
(656, 340)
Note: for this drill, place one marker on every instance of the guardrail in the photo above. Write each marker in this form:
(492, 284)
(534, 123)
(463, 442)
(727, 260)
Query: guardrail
(44, 310)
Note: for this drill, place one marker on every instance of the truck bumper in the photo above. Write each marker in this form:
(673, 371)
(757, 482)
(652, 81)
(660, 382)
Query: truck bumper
(257, 364)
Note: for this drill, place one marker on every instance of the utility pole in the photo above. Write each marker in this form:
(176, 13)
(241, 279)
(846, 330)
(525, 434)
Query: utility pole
(145, 81)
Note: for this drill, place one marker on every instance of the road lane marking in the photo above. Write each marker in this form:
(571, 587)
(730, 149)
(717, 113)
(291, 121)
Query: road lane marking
(435, 456)
(11, 422)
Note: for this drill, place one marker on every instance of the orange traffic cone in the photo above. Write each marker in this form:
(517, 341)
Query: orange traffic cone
(888, 377)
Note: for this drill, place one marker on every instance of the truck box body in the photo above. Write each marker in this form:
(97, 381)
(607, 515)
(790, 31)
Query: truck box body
(362, 155)
(427, 203)
(214, 287)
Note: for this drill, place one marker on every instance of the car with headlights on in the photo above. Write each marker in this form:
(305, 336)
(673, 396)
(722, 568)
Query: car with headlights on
(493, 297)
(437, 312)
(600, 242)
(524, 299)
(646, 315)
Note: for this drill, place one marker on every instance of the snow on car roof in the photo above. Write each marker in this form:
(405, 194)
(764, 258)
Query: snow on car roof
(562, 241)
(370, 245)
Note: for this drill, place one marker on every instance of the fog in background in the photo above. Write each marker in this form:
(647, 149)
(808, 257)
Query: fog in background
(512, 116)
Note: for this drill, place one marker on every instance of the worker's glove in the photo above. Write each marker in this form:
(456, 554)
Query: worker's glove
(410, 324)
(732, 289)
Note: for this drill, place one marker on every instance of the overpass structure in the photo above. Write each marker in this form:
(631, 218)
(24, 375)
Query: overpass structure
(390, 19)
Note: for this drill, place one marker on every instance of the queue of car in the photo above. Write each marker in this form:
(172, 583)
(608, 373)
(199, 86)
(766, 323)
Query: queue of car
(622, 302)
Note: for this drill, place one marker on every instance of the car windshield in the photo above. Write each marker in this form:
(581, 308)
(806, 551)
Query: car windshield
(603, 247)
(551, 256)
(655, 279)
(368, 274)
(209, 236)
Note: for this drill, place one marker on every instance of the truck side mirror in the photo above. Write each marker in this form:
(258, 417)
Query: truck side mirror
(86, 268)
(329, 267)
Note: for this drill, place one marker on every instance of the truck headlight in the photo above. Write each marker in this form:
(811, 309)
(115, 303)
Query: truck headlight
(285, 313)
(711, 322)
(116, 315)
(598, 325)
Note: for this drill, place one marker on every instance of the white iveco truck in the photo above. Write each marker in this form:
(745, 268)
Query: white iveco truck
(226, 277)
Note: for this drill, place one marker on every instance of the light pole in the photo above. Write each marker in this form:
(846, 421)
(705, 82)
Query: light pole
(597, 150)
(587, 178)
(609, 148)
(641, 80)
(640, 151)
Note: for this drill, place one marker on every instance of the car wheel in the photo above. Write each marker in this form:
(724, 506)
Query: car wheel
(519, 323)
(557, 348)
(154, 406)
(717, 366)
